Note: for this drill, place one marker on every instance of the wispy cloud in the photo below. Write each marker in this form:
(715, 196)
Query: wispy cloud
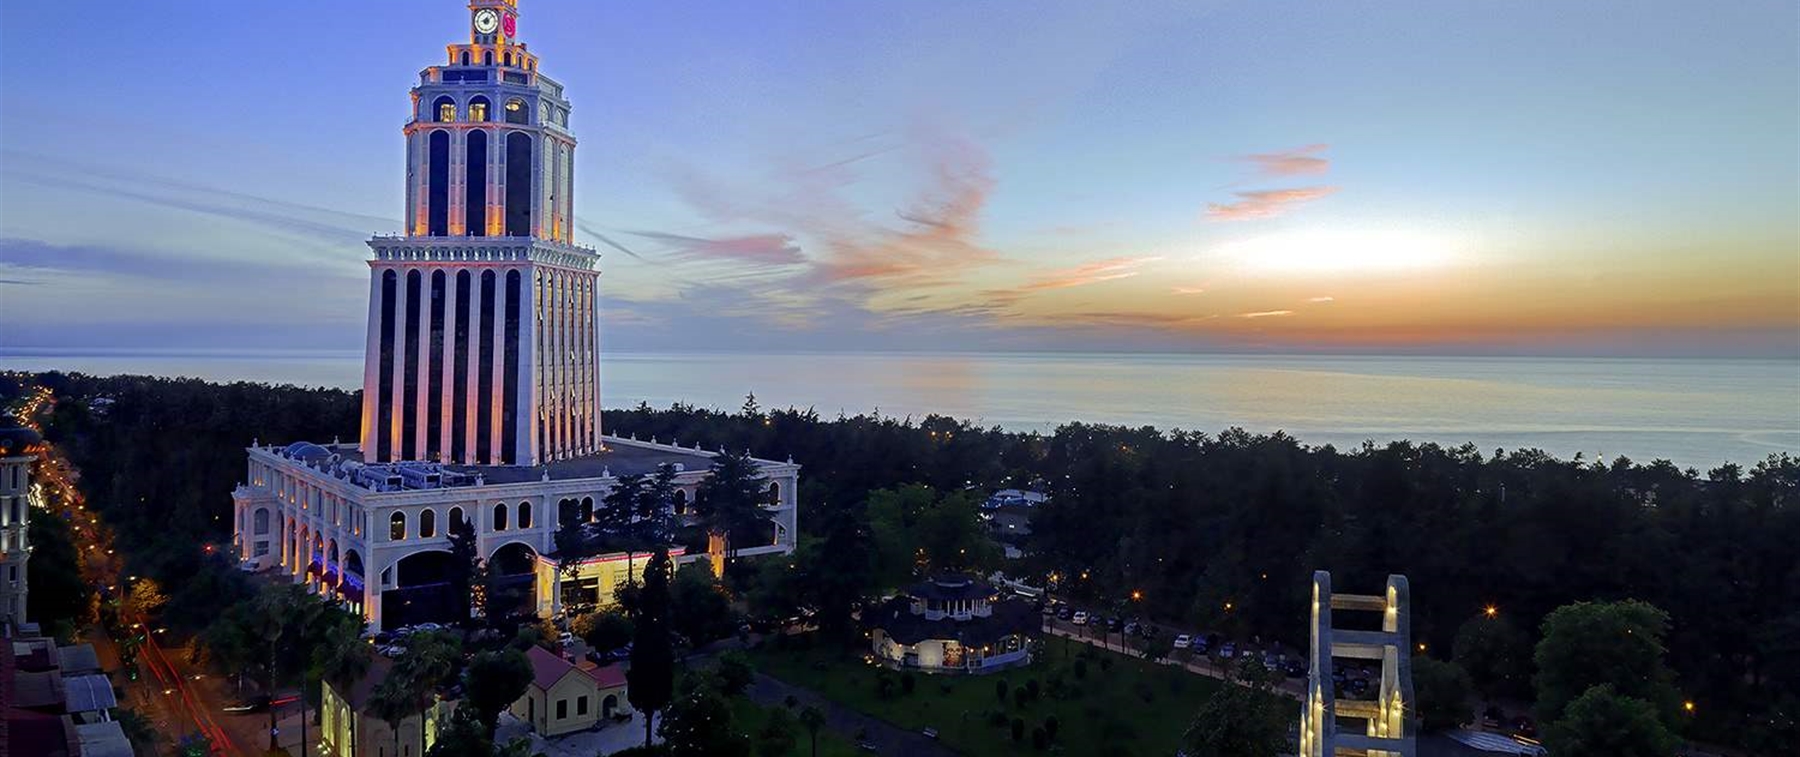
(1326, 298)
(1300, 161)
(1266, 314)
(1090, 273)
(757, 249)
(1265, 203)
(1187, 290)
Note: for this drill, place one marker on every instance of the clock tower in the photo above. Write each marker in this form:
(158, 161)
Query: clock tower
(483, 341)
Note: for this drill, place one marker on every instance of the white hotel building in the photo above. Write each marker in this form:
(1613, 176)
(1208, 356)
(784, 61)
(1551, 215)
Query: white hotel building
(481, 380)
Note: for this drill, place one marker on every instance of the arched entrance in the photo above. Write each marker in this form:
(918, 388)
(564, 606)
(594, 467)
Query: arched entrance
(351, 588)
(512, 585)
(423, 591)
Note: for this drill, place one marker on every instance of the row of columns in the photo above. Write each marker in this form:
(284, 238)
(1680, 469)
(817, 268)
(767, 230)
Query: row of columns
(412, 444)
(569, 366)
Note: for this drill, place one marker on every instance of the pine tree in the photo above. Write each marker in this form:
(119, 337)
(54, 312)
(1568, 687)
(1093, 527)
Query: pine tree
(652, 674)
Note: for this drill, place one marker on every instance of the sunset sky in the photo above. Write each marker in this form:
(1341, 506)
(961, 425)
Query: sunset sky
(1462, 177)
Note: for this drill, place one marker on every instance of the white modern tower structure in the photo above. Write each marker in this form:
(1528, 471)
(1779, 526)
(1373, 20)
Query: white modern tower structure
(1384, 727)
(483, 346)
(18, 448)
(481, 381)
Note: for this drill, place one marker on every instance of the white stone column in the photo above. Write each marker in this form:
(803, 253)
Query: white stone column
(447, 398)
(422, 393)
(398, 391)
(472, 397)
(497, 371)
(526, 412)
(593, 316)
(371, 402)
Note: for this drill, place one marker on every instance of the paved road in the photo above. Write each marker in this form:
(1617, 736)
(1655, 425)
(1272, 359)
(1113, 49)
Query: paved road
(1290, 687)
(887, 737)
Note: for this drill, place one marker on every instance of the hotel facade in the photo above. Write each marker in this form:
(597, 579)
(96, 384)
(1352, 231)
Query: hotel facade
(481, 379)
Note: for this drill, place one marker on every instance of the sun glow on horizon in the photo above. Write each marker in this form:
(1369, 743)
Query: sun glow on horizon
(1349, 251)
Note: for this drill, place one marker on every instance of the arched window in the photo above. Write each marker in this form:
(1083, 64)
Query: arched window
(427, 524)
(260, 519)
(487, 58)
(500, 517)
(464, 58)
(518, 182)
(446, 109)
(478, 108)
(681, 501)
(587, 509)
(516, 113)
(524, 515)
(774, 494)
(397, 527)
(456, 519)
(509, 59)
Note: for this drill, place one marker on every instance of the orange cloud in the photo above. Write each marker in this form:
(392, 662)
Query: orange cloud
(1188, 290)
(1322, 299)
(1266, 203)
(1266, 314)
(1300, 161)
(1089, 273)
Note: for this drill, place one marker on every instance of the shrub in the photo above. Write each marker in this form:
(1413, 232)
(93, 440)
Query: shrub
(1039, 739)
(1106, 663)
(884, 685)
(1018, 729)
(907, 682)
(791, 702)
(1034, 687)
(1021, 697)
(997, 718)
(1050, 726)
(1000, 690)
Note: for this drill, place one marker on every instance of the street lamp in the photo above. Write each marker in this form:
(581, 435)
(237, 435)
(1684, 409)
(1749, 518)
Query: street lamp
(1490, 611)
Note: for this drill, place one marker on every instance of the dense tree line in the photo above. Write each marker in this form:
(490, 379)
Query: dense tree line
(1221, 531)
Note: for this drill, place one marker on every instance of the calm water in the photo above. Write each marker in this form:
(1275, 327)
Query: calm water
(1694, 412)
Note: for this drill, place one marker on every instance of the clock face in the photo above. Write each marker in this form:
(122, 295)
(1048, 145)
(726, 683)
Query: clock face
(508, 23)
(486, 21)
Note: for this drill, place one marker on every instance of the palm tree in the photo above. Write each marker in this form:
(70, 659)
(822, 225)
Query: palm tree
(430, 661)
(813, 719)
(392, 702)
(342, 658)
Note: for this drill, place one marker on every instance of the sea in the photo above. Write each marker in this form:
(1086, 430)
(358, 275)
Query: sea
(1694, 412)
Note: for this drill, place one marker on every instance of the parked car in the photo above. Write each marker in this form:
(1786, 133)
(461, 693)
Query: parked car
(1064, 613)
(1114, 623)
(1132, 628)
(1183, 641)
(930, 733)
(1080, 618)
(565, 639)
(1228, 650)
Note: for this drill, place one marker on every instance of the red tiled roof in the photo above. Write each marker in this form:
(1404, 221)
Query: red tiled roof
(609, 676)
(547, 667)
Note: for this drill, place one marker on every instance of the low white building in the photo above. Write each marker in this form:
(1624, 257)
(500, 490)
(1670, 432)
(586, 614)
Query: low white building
(952, 624)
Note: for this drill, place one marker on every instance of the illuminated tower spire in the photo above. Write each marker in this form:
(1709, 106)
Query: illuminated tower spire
(483, 344)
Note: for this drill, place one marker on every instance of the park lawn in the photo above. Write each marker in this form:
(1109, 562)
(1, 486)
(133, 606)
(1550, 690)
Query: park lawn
(748, 717)
(1130, 707)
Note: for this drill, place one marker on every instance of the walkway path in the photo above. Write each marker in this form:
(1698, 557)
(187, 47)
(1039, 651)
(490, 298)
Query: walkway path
(1290, 688)
(888, 738)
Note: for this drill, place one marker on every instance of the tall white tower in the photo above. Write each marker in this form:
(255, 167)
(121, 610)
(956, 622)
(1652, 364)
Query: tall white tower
(483, 344)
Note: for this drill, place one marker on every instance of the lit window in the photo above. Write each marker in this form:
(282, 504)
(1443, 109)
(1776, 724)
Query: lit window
(478, 110)
(446, 112)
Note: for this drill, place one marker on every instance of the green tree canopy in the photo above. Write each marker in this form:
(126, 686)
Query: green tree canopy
(492, 681)
(1587, 644)
(1442, 690)
(1496, 654)
(1603, 723)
